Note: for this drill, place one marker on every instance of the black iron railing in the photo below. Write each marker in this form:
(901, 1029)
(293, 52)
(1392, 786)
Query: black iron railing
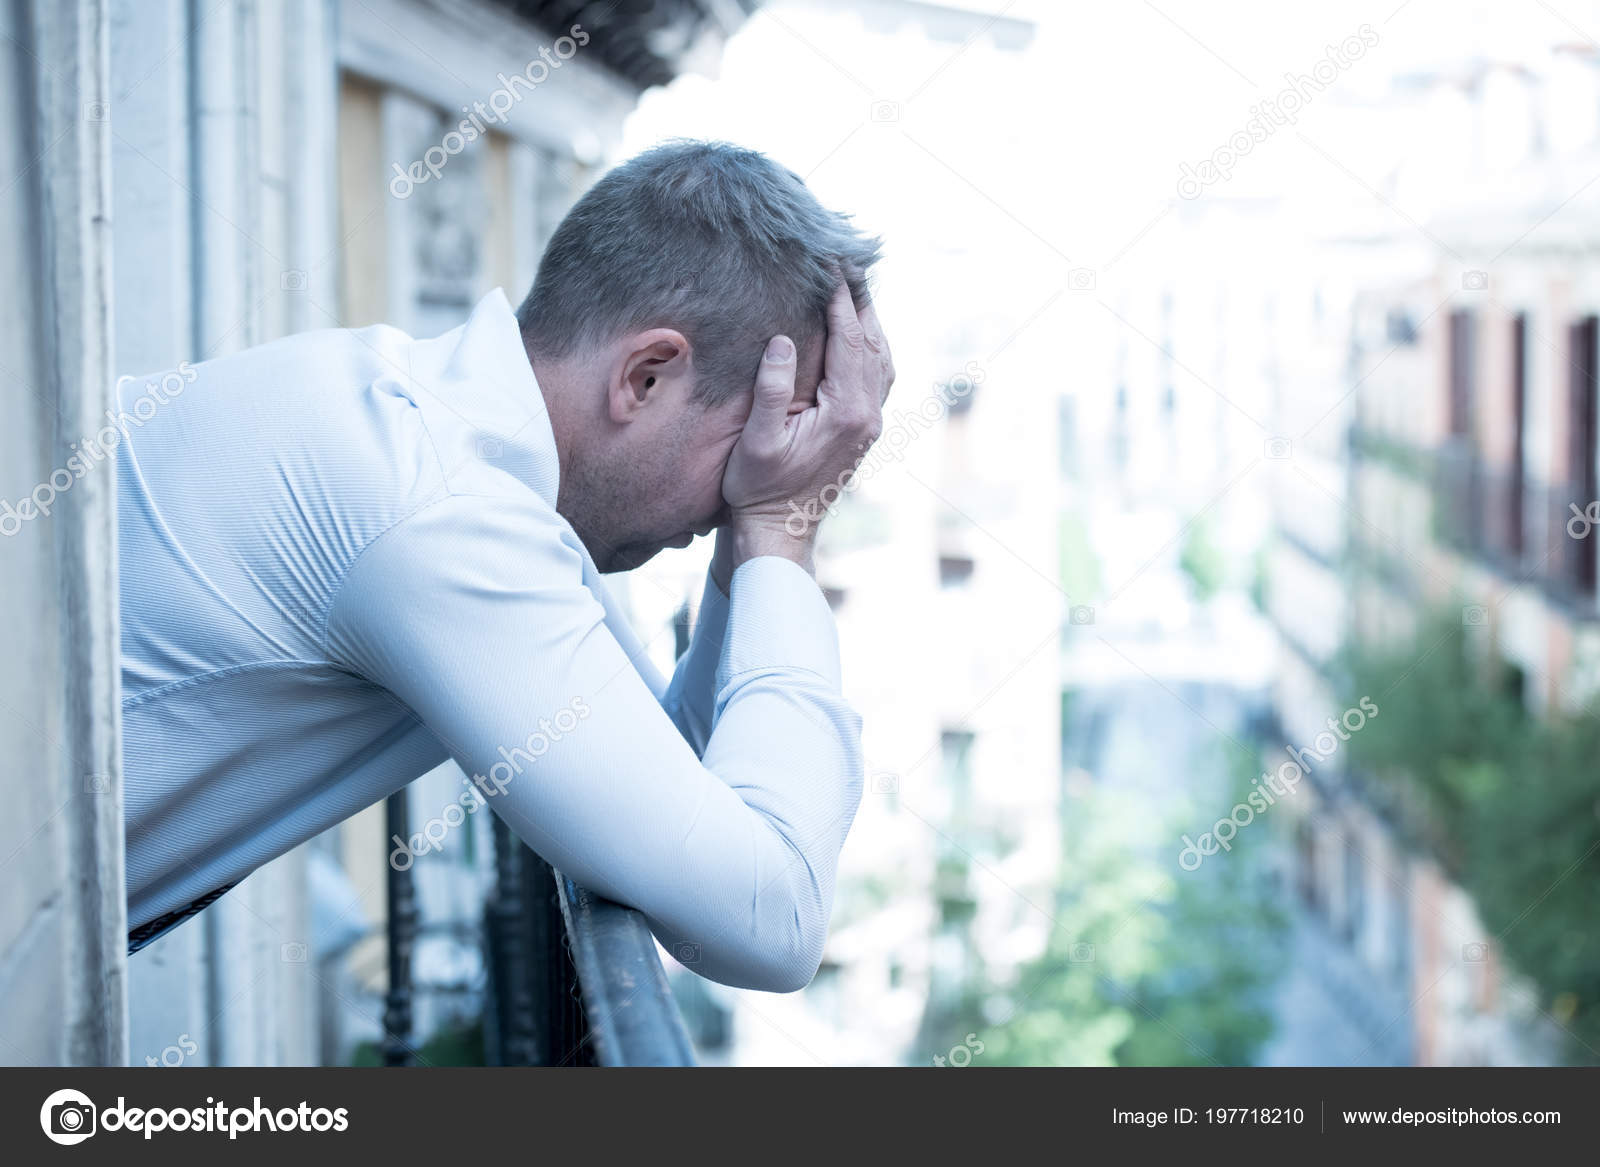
(401, 897)
(573, 979)
(631, 1015)
(1530, 531)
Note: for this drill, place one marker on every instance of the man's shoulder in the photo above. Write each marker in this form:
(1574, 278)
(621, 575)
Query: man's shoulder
(336, 435)
(313, 437)
(311, 366)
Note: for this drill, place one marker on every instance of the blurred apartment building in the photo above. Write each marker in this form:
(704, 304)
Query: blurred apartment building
(945, 562)
(1443, 412)
(278, 167)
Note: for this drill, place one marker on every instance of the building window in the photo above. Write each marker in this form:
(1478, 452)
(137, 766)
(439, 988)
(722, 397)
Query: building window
(955, 570)
(1462, 373)
(1516, 500)
(1399, 328)
(955, 765)
(1514, 684)
(1400, 930)
(1354, 889)
(1067, 436)
(1305, 867)
(1581, 450)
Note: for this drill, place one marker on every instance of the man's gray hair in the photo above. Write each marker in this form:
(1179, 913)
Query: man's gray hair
(719, 242)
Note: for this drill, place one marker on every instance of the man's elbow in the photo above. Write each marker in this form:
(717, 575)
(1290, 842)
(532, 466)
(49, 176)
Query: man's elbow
(780, 969)
(801, 958)
(781, 959)
(783, 946)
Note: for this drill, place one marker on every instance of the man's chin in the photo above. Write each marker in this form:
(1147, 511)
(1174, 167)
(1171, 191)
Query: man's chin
(629, 557)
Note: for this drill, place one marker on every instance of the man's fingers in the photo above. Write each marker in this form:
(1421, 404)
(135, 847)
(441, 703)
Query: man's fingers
(870, 328)
(854, 368)
(878, 343)
(844, 326)
(774, 392)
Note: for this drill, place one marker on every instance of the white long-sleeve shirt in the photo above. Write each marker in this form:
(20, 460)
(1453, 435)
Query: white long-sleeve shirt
(341, 563)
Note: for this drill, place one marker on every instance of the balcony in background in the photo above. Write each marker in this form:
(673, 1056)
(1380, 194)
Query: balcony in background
(1527, 531)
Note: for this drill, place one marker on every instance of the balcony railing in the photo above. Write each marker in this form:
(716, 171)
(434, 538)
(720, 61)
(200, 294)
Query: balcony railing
(632, 1017)
(1529, 531)
(573, 979)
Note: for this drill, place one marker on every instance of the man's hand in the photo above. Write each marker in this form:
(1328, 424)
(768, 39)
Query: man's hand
(782, 461)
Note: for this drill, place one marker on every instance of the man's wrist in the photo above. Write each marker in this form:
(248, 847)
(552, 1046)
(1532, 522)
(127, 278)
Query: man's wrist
(748, 537)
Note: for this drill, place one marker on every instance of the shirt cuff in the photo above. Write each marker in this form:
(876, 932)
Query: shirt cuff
(697, 672)
(777, 619)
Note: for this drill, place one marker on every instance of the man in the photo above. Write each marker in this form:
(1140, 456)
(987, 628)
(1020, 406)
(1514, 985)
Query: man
(347, 556)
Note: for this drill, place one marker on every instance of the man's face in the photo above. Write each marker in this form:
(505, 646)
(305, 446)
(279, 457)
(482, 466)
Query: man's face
(657, 481)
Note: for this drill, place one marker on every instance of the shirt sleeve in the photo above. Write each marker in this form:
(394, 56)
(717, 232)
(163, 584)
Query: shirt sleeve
(690, 698)
(473, 612)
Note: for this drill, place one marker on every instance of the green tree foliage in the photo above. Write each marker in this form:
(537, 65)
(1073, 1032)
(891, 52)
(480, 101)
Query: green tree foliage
(1079, 567)
(1146, 964)
(1202, 559)
(1509, 804)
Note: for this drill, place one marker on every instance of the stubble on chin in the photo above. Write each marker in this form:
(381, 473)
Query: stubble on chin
(581, 500)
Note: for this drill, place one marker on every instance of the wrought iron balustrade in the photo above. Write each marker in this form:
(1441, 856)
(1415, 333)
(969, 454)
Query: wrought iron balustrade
(572, 979)
(1530, 531)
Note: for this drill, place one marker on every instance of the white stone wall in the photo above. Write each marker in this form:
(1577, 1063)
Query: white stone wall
(62, 928)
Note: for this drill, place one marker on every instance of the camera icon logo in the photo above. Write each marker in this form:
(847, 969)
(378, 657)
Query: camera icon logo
(96, 784)
(67, 1117)
(292, 281)
(886, 111)
(490, 449)
(1081, 614)
(685, 953)
(1475, 281)
(1475, 616)
(1475, 953)
(1277, 449)
(96, 111)
(1081, 279)
(885, 783)
(293, 952)
(1081, 953)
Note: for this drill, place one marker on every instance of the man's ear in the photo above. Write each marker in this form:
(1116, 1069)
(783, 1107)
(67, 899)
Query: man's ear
(654, 366)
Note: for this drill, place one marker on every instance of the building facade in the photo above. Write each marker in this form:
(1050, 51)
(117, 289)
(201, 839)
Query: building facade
(1456, 443)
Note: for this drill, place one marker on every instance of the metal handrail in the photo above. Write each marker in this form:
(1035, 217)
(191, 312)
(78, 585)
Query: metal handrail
(573, 979)
(632, 1017)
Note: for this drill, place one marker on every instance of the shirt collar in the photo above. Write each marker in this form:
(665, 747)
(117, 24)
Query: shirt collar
(485, 380)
